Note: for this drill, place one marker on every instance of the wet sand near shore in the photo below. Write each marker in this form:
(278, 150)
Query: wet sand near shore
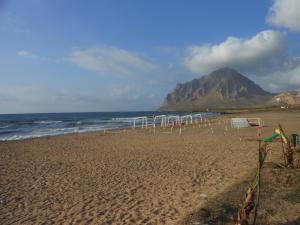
(128, 177)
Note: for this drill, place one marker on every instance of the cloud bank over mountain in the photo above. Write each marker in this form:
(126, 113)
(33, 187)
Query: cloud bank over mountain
(264, 56)
(236, 52)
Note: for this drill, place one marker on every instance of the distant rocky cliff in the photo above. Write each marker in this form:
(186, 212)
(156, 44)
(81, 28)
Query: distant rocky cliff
(223, 88)
(287, 98)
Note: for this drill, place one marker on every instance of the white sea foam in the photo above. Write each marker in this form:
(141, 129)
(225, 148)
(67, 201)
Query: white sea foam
(47, 121)
(57, 131)
(17, 129)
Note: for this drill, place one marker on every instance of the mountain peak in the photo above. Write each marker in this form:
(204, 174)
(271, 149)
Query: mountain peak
(227, 72)
(222, 88)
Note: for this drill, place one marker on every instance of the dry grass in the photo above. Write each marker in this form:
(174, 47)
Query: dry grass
(279, 202)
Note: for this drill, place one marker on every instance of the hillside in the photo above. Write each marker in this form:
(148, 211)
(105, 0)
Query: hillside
(286, 98)
(223, 88)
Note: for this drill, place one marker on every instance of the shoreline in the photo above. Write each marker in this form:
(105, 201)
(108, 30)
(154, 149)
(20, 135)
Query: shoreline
(126, 127)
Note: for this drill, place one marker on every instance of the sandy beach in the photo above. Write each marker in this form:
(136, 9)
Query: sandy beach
(130, 176)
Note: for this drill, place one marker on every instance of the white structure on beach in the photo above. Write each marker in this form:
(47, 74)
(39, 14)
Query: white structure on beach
(246, 122)
(163, 119)
(239, 122)
(197, 116)
(187, 119)
(256, 121)
(143, 119)
(173, 119)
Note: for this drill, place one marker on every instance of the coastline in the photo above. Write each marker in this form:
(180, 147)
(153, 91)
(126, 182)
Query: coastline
(28, 126)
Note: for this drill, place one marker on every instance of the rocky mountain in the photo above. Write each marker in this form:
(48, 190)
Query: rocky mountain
(286, 98)
(223, 88)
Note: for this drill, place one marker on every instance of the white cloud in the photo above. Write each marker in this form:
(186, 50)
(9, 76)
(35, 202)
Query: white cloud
(111, 61)
(26, 54)
(236, 52)
(282, 80)
(285, 13)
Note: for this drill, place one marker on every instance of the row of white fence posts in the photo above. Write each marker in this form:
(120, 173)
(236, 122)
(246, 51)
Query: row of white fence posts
(209, 123)
(143, 119)
(175, 119)
(163, 120)
(181, 121)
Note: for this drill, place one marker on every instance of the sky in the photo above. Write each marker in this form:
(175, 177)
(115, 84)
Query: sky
(109, 55)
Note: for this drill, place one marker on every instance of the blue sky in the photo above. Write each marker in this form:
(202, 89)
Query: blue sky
(64, 56)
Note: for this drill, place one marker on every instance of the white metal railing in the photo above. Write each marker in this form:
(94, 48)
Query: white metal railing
(197, 116)
(143, 120)
(175, 119)
(163, 119)
(187, 118)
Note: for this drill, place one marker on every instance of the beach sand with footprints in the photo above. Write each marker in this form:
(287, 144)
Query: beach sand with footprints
(130, 176)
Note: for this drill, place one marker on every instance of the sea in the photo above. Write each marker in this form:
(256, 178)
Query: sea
(24, 126)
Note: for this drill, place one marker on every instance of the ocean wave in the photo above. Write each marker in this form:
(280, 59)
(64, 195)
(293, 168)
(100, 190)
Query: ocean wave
(56, 132)
(123, 118)
(5, 132)
(47, 121)
(28, 122)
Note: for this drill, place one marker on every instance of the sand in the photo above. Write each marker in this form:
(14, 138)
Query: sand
(128, 177)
